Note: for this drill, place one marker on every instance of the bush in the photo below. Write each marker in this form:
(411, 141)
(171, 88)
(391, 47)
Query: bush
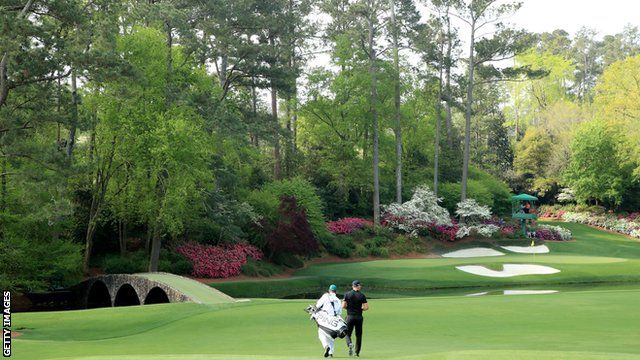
(472, 212)
(499, 190)
(341, 246)
(218, 261)
(375, 246)
(361, 251)
(267, 201)
(131, 263)
(419, 212)
(547, 232)
(445, 233)
(288, 260)
(481, 186)
(260, 268)
(379, 252)
(450, 194)
(402, 245)
(292, 233)
(348, 225)
(32, 265)
(174, 262)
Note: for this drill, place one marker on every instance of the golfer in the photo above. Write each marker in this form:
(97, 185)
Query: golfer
(355, 302)
(330, 304)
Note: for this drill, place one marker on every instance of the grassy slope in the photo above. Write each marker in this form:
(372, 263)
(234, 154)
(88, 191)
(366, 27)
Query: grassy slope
(595, 257)
(575, 325)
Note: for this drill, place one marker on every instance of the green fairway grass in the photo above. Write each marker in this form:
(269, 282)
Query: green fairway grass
(573, 325)
(595, 257)
(593, 316)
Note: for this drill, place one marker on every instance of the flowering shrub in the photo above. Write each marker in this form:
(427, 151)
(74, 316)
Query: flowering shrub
(566, 195)
(628, 225)
(487, 230)
(557, 232)
(348, 225)
(473, 212)
(507, 230)
(463, 231)
(421, 212)
(444, 232)
(218, 261)
(484, 230)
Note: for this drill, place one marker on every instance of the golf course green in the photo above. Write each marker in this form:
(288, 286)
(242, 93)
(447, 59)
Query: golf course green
(585, 323)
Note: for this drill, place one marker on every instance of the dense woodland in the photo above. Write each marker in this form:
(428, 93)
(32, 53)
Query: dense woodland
(131, 127)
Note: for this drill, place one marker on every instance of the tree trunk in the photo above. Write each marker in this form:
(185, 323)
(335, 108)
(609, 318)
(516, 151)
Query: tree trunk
(222, 72)
(155, 248)
(436, 153)
(374, 115)
(3, 189)
(277, 168)
(101, 183)
(467, 129)
(122, 236)
(168, 89)
(447, 88)
(396, 83)
(147, 242)
(74, 115)
(4, 79)
(254, 107)
(289, 140)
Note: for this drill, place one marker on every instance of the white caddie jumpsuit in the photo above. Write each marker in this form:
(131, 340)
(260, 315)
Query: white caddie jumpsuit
(330, 304)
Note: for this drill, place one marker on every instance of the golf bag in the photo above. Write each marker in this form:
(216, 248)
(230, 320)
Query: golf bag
(332, 325)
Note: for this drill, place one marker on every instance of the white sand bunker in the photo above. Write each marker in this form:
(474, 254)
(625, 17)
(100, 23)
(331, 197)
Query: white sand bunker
(473, 252)
(509, 270)
(540, 249)
(516, 292)
(529, 292)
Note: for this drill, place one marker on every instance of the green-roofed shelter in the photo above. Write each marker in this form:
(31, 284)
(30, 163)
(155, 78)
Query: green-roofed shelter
(517, 211)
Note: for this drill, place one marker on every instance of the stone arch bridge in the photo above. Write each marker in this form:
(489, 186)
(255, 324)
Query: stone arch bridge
(144, 289)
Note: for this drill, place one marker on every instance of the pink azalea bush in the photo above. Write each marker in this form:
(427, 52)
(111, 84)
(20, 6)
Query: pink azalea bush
(444, 232)
(507, 230)
(218, 261)
(348, 225)
(549, 232)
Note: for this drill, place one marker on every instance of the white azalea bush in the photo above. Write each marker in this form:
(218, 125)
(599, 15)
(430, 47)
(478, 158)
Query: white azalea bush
(421, 212)
(566, 195)
(474, 214)
(628, 225)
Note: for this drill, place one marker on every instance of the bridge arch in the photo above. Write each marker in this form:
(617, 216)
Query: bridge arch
(98, 295)
(126, 296)
(156, 296)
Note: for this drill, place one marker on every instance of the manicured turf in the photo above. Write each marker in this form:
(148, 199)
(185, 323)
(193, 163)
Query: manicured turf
(595, 257)
(572, 325)
(600, 323)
